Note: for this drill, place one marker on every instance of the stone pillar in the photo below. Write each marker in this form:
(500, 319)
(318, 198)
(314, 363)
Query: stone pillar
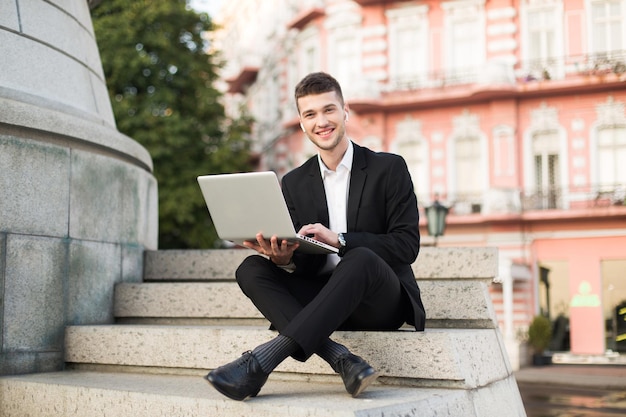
(505, 277)
(78, 201)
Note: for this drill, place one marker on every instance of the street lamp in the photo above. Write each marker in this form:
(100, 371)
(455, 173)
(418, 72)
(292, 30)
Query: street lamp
(544, 277)
(436, 219)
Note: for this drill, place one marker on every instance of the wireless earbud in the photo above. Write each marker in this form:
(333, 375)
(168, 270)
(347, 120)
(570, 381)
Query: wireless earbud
(302, 127)
(347, 116)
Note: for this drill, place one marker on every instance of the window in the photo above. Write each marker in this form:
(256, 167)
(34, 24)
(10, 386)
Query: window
(608, 149)
(345, 62)
(546, 170)
(612, 156)
(308, 52)
(467, 156)
(541, 35)
(408, 46)
(415, 154)
(288, 109)
(465, 45)
(344, 48)
(468, 165)
(406, 62)
(412, 146)
(607, 27)
(544, 44)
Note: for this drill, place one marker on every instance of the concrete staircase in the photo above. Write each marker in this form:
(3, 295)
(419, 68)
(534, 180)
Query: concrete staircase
(188, 316)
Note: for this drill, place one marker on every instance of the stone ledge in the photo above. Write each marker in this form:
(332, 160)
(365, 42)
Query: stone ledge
(442, 358)
(432, 263)
(472, 306)
(27, 117)
(67, 394)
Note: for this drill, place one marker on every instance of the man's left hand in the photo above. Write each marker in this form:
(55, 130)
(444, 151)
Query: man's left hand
(320, 232)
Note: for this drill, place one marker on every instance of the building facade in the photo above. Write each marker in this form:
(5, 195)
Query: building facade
(509, 112)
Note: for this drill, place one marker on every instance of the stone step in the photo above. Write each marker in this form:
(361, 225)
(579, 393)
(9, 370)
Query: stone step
(451, 358)
(197, 287)
(218, 302)
(93, 394)
(208, 265)
(193, 265)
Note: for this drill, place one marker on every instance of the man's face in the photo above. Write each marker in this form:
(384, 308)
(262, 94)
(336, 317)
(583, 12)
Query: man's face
(323, 119)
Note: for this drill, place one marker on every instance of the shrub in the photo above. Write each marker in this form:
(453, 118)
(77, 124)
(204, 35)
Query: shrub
(540, 334)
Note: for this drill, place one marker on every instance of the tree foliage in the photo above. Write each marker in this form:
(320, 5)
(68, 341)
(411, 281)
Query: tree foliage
(161, 83)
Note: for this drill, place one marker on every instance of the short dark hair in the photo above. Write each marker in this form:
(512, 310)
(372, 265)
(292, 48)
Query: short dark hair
(318, 83)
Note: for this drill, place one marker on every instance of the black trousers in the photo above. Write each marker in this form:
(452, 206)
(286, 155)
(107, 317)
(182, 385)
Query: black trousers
(362, 293)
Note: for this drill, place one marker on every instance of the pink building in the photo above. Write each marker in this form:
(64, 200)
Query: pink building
(509, 112)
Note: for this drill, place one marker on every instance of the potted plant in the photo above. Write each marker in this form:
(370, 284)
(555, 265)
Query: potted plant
(539, 338)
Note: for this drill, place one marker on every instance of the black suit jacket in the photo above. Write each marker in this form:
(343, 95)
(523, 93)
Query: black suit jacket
(382, 216)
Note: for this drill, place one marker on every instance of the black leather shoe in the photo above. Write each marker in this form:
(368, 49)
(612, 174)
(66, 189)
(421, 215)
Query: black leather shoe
(356, 373)
(239, 379)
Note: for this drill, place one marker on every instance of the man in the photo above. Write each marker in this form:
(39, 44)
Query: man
(358, 201)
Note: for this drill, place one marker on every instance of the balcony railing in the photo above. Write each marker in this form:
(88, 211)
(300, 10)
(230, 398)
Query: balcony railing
(515, 201)
(555, 68)
(442, 78)
(548, 69)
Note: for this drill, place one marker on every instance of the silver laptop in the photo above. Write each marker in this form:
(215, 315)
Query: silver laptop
(242, 205)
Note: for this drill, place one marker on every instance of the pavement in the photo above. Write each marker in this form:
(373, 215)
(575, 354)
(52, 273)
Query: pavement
(609, 377)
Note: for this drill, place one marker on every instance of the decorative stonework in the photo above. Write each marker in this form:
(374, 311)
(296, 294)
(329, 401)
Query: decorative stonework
(467, 124)
(463, 8)
(409, 129)
(611, 113)
(373, 142)
(544, 118)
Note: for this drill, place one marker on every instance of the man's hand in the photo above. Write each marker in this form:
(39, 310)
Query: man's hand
(279, 252)
(320, 232)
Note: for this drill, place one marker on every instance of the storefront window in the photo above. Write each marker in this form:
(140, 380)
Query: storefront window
(614, 303)
(554, 301)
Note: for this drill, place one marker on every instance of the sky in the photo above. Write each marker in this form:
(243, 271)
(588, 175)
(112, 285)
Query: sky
(209, 6)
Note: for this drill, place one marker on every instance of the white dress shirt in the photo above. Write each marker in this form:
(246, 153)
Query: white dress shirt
(336, 185)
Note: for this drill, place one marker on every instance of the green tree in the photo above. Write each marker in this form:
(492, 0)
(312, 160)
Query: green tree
(161, 83)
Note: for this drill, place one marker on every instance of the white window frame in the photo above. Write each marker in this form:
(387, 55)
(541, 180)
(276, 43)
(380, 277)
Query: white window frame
(553, 65)
(409, 148)
(605, 53)
(610, 114)
(456, 12)
(481, 163)
(308, 40)
(616, 178)
(547, 122)
(345, 25)
(414, 18)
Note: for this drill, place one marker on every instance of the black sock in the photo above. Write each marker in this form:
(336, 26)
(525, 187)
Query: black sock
(272, 353)
(330, 351)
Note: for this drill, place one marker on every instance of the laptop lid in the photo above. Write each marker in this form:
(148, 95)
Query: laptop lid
(244, 204)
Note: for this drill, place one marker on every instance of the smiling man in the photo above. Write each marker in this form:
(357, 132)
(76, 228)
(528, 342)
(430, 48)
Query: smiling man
(362, 203)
